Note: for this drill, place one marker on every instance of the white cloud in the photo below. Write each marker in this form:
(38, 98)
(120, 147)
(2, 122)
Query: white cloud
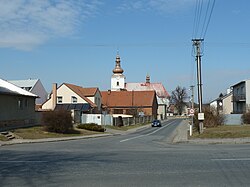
(25, 24)
(160, 6)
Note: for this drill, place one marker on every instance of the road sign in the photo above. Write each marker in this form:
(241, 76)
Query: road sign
(201, 116)
(191, 111)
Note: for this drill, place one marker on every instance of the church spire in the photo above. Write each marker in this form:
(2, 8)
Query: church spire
(118, 68)
(147, 78)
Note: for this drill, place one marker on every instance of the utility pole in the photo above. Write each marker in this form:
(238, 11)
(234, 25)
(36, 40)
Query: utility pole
(197, 44)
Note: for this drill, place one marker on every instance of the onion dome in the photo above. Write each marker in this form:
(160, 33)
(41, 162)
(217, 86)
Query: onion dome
(118, 68)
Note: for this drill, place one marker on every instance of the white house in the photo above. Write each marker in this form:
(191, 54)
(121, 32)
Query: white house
(241, 97)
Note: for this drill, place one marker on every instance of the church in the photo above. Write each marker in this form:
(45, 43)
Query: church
(134, 98)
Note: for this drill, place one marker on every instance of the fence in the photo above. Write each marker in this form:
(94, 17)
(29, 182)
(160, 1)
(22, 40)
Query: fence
(99, 119)
(102, 119)
(233, 119)
(132, 120)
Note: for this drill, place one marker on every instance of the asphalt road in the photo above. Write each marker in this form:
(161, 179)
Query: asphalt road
(144, 158)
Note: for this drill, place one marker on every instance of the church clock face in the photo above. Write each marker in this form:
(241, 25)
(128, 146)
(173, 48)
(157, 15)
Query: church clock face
(117, 78)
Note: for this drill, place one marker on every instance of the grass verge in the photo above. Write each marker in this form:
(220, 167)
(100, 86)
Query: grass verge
(39, 133)
(3, 138)
(225, 131)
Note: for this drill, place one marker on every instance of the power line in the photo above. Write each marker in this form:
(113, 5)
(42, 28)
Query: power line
(202, 19)
(209, 19)
(205, 17)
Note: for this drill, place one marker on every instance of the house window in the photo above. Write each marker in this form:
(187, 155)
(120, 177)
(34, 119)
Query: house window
(20, 104)
(26, 103)
(59, 99)
(117, 83)
(73, 99)
(242, 90)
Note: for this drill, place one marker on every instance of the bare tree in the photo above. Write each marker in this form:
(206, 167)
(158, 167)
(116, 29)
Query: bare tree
(178, 97)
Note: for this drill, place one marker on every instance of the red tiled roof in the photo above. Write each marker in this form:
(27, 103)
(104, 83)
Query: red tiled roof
(128, 98)
(83, 92)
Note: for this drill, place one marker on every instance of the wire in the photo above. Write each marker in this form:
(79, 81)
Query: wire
(202, 20)
(205, 17)
(209, 19)
(197, 17)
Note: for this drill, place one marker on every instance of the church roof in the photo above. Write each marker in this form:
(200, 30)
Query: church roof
(118, 68)
(157, 87)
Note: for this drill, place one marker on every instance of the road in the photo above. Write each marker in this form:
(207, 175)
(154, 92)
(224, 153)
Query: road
(144, 158)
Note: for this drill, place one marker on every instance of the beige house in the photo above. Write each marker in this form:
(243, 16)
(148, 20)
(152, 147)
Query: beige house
(73, 94)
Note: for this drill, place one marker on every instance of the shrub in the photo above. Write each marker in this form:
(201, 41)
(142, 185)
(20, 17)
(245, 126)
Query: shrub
(246, 118)
(91, 127)
(212, 118)
(57, 121)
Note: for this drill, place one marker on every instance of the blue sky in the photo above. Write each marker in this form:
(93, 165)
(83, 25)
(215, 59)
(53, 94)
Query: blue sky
(76, 41)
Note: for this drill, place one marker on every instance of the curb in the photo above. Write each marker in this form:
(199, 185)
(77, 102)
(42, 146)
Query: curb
(220, 141)
(26, 141)
(181, 136)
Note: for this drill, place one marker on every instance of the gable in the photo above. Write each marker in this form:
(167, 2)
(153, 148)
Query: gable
(25, 84)
(78, 92)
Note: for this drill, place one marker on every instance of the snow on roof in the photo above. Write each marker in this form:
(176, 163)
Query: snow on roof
(29, 83)
(10, 88)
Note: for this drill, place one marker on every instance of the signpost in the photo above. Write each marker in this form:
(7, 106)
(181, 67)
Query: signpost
(191, 113)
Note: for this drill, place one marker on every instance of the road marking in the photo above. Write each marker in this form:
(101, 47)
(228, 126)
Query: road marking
(128, 139)
(22, 161)
(231, 159)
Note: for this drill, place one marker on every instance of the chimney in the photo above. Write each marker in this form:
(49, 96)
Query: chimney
(109, 92)
(229, 90)
(54, 95)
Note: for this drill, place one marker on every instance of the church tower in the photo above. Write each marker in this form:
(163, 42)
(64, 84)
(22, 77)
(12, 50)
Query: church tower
(117, 79)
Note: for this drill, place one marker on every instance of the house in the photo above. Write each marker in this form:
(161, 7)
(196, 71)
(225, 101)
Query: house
(223, 104)
(34, 86)
(17, 106)
(87, 100)
(241, 97)
(136, 103)
(161, 94)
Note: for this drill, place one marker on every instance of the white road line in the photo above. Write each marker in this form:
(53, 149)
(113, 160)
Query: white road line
(22, 161)
(146, 134)
(231, 159)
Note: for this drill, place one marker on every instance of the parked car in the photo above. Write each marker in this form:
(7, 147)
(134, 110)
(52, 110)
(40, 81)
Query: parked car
(156, 123)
